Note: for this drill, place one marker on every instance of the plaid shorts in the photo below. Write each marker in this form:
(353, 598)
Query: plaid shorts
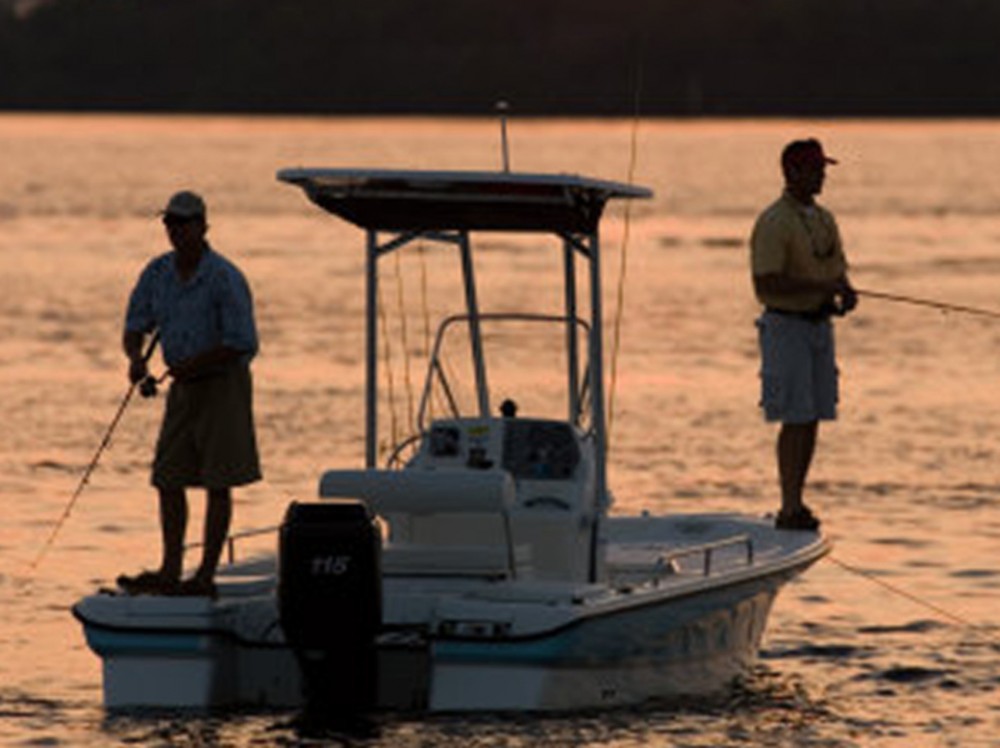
(798, 375)
(207, 437)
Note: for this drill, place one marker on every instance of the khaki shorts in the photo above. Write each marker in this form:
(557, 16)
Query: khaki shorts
(798, 375)
(207, 438)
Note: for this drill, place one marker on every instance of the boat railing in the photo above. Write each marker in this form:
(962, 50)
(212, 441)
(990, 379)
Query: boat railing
(707, 550)
(231, 541)
(665, 561)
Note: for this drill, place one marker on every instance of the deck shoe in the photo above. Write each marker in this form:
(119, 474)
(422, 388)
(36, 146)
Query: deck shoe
(801, 518)
(195, 587)
(146, 583)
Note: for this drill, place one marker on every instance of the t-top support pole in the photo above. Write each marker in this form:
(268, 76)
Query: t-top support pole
(597, 402)
(371, 350)
(475, 334)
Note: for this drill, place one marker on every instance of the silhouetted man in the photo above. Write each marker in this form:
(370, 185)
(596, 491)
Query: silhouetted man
(800, 276)
(200, 304)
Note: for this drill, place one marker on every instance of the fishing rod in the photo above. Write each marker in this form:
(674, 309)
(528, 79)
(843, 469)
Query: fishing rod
(940, 305)
(147, 387)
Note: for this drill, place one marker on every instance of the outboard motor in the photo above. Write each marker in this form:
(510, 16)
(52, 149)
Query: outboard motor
(330, 602)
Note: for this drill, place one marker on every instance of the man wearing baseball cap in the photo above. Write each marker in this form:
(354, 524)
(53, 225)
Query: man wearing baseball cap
(200, 305)
(800, 278)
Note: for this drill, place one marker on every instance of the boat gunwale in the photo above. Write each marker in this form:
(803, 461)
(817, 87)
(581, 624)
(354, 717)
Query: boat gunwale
(658, 594)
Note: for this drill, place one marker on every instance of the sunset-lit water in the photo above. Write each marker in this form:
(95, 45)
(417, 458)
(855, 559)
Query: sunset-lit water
(907, 482)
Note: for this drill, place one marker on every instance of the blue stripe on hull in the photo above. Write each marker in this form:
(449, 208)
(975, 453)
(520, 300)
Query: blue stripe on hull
(106, 642)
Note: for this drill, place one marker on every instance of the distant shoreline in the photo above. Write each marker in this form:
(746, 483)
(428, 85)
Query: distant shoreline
(455, 58)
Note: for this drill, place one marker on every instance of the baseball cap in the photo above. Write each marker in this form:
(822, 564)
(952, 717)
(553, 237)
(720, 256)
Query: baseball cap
(185, 204)
(804, 152)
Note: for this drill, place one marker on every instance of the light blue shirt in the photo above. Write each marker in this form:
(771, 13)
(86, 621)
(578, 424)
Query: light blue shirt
(214, 307)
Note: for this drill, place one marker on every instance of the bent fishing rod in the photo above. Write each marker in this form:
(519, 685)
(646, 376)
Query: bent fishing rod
(939, 305)
(147, 388)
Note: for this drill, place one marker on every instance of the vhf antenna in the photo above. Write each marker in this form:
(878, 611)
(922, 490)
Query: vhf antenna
(503, 107)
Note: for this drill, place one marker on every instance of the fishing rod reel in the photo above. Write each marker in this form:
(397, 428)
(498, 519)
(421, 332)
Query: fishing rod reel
(148, 386)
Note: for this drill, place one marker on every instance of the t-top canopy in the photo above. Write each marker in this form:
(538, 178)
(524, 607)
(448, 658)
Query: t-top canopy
(392, 200)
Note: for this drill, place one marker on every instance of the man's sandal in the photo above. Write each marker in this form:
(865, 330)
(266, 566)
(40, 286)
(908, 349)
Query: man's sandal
(799, 519)
(195, 587)
(147, 583)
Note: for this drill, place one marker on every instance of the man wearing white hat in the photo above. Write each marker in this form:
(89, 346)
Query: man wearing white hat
(200, 305)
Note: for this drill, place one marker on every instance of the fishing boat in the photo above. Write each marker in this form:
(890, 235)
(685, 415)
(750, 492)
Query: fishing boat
(480, 565)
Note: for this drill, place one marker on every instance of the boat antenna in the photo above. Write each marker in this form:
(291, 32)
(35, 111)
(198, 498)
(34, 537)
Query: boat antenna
(502, 108)
(148, 389)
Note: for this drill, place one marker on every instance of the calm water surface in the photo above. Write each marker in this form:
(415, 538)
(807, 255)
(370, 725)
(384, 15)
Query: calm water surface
(907, 481)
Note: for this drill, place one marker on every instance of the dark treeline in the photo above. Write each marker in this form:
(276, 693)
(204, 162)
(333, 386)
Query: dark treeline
(715, 57)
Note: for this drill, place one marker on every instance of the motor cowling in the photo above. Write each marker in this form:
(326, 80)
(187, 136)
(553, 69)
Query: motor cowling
(330, 601)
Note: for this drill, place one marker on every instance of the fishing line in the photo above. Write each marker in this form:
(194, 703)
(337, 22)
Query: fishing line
(387, 358)
(939, 305)
(426, 313)
(623, 263)
(964, 622)
(434, 396)
(148, 388)
(404, 343)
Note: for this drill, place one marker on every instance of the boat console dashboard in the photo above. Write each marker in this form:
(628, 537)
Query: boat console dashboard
(527, 448)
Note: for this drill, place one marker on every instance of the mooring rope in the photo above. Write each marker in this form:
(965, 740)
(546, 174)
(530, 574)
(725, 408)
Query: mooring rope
(979, 630)
(944, 613)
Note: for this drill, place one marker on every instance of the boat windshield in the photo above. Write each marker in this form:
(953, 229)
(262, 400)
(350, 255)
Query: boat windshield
(527, 363)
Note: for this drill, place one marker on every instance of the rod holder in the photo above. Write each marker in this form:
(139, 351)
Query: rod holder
(502, 108)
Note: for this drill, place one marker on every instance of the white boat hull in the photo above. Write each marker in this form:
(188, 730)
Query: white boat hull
(675, 658)
(686, 635)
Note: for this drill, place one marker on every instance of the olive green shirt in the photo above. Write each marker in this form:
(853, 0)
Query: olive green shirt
(801, 241)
